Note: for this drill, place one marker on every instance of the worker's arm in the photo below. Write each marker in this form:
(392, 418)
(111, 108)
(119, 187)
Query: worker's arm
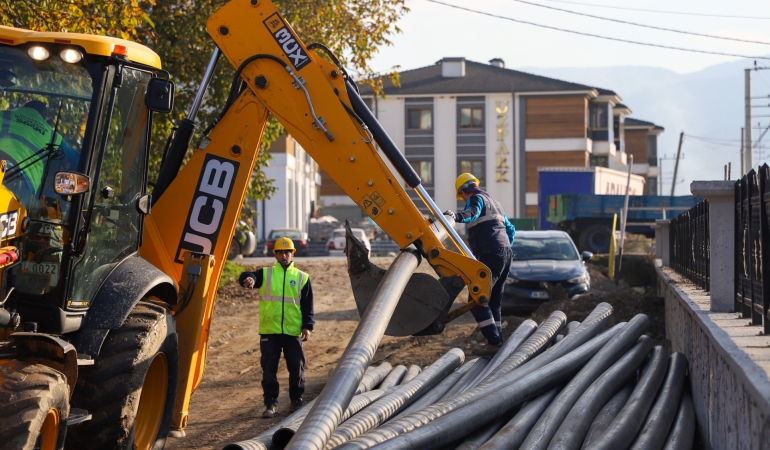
(472, 210)
(256, 277)
(306, 305)
(510, 230)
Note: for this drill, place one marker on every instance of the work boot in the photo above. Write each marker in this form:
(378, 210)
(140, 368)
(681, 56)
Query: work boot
(270, 409)
(487, 349)
(295, 404)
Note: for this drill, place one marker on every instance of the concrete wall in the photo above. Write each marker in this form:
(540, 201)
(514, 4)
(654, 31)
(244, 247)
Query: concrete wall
(729, 367)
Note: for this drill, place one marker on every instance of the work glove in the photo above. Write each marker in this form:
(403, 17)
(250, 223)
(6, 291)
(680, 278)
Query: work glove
(451, 214)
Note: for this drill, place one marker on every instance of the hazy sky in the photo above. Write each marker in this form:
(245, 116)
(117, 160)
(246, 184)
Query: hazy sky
(432, 31)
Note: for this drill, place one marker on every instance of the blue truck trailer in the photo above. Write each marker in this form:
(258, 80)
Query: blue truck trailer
(588, 218)
(581, 180)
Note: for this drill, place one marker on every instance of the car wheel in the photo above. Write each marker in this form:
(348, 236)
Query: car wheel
(235, 250)
(596, 239)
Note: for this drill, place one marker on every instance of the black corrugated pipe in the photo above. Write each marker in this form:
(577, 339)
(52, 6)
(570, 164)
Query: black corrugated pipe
(574, 427)
(549, 422)
(264, 441)
(571, 326)
(373, 376)
(388, 147)
(621, 432)
(380, 411)
(436, 393)
(413, 371)
(522, 333)
(661, 416)
(608, 413)
(516, 430)
(334, 399)
(394, 377)
(479, 405)
(359, 402)
(532, 347)
(682, 433)
(464, 383)
(485, 433)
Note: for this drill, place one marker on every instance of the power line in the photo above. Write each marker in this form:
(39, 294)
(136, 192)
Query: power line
(691, 33)
(596, 35)
(684, 13)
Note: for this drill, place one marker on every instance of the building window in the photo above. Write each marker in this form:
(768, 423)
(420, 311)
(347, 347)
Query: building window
(473, 166)
(471, 118)
(420, 119)
(424, 169)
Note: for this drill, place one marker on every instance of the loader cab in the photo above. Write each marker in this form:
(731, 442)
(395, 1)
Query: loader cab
(78, 195)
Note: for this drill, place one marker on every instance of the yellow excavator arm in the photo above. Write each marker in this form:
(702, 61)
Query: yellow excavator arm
(191, 224)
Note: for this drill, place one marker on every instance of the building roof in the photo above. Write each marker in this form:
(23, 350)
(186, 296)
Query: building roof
(630, 122)
(480, 78)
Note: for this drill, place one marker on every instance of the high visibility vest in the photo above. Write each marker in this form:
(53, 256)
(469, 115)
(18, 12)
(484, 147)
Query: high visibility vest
(487, 232)
(279, 295)
(23, 133)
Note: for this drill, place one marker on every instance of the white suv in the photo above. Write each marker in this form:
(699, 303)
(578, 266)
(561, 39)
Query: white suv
(336, 241)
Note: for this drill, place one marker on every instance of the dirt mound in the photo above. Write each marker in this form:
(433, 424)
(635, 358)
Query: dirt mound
(630, 296)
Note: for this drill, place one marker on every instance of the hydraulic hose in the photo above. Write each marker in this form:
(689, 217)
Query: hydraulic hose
(436, 393)
(359, 402)
(380, 411)
(334, 399)
(373, 376)
(608, 413)
(549, 422)
(522, 333)
(661, 416)
(682, 432)
(620, 434)
(512, 435)
(394, 377)
(479, 405)
(575, 426)
(464, 383)
(264, 441)
(413, 371)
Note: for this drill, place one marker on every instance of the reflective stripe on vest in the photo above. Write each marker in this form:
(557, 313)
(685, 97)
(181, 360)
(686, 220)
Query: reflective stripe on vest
(497, 217)
(279, 310)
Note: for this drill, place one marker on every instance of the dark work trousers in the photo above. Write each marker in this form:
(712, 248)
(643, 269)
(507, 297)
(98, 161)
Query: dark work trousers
(489, 317)
(270, 345)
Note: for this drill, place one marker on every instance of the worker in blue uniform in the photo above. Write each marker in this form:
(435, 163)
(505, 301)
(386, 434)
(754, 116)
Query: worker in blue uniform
(490, 236)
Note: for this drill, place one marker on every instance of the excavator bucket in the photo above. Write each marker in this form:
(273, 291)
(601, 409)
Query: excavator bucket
(424, 306)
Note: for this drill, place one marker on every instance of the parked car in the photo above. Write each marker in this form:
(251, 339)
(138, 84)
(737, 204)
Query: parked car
(244, 241)
(544, 260)
(336, 241)
(296, 235)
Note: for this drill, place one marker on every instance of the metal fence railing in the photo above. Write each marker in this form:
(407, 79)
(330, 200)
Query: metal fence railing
(752, 247)
(690, 246)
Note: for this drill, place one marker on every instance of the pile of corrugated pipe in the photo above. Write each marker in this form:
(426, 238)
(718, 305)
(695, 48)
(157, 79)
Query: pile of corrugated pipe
(558, 385)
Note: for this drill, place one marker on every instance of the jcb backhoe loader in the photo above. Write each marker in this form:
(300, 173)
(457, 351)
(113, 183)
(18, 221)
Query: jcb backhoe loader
(107, 286)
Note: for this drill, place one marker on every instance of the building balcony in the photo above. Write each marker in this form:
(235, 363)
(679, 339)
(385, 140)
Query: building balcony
(604, 148)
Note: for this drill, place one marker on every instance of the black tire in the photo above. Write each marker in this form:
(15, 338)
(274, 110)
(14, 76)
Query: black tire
(234, 251)
(34, 406)
(111, 390)
(596, 239)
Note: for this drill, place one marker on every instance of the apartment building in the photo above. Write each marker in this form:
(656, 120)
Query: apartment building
(501, 125)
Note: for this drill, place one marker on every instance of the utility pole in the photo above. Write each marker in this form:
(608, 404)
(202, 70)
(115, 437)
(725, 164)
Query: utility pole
(743, 150)
(676, 164)
(748, 159)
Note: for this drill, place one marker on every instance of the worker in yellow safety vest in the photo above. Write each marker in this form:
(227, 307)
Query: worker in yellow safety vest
(285, 321)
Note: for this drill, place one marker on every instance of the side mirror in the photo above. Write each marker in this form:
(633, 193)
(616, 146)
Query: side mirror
(71, 183)
(587, 256)
(160, 95)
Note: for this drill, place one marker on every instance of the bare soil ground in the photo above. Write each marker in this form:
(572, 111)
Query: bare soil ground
(227, 406)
